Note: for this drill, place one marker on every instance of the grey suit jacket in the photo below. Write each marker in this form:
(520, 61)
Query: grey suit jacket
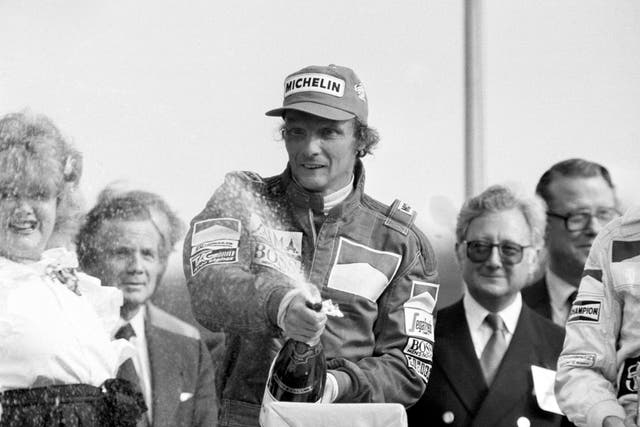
(182, 376)
(457, 391)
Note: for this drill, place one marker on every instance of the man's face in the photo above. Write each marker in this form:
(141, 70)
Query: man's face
(130, 260)
(495, 282)
(322, 152)
(27, 218)
(568, 250)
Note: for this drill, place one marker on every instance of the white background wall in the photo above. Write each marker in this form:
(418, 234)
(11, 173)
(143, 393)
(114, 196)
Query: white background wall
(170, 95)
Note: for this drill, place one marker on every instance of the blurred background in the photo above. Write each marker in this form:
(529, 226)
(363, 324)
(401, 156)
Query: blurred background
(170, 95)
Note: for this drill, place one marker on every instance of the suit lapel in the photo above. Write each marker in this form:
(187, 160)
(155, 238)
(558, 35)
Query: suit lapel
(165, 372)
(456, 357)
(513, 381)
(539, 299)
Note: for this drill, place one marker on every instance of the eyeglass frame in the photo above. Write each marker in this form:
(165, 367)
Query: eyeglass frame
(590, 216)
(492, 245)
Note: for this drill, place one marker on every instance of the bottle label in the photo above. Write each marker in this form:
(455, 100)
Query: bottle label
(291, 390)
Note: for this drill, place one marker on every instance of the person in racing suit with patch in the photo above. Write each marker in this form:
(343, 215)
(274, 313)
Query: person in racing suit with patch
(251, 254)
(596, 383)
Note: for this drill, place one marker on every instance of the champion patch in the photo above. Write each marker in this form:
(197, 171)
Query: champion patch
(585, 311)
(314, 82)
(628, 383)
(422, 349)
(581, 360)
(423, 369)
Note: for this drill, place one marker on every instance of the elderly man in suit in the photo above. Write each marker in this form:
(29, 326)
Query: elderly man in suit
(581, 199)
(125, 242)
(490, 350)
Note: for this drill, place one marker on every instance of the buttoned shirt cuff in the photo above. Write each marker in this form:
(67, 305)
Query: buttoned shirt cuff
(284, 305)
(601, 410)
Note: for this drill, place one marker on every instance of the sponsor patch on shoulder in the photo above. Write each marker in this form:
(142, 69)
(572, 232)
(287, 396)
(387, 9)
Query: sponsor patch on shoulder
(214, 241)
(585, 311)
(581, 360)
(422, 368)
(628, 383)
(422, 349)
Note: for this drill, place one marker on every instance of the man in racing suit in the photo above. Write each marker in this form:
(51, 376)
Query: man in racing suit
(595, 382)
(251, 254)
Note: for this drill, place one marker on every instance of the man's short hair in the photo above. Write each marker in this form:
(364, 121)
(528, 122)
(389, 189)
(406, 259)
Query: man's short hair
(499, 198)
(129, 206)
(571, 168)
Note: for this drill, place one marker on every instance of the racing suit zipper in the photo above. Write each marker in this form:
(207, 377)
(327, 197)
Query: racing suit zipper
(314, 237)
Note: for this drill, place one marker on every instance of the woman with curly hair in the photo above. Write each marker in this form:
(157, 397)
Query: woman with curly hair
(58, 362)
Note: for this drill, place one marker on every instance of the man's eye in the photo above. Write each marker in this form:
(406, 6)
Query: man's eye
(294, 132)
(330, 133)
(508, 249)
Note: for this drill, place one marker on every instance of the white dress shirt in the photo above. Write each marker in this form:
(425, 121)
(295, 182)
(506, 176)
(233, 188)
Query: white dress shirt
(559, 293)
(480, 331)
(141, 359)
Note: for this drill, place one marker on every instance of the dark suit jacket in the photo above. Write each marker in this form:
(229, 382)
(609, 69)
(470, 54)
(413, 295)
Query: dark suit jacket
(536, 296)
(457, 387)
(182, 377)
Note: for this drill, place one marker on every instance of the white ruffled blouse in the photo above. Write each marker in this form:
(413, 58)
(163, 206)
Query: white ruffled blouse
(50, 334)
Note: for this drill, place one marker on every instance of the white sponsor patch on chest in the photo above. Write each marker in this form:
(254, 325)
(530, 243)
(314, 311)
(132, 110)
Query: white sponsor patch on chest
(361, 270)
(278, 249)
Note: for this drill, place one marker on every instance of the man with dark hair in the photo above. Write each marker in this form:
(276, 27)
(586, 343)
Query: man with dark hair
(264, 247)
(125, 242)
(581, 199)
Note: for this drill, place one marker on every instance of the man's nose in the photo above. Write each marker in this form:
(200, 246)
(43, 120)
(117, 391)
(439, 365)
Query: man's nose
(312, 144)
(135, 263)
(594, 225)
(494, 259)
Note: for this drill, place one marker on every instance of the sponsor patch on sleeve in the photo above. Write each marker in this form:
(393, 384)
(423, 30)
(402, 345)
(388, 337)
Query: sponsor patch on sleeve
(423, 295)
(422, 349)
(418, 323)
(586, 310)
(622, 251)
(628, 383)
(422, 368)
(580, 360)
(214, 241)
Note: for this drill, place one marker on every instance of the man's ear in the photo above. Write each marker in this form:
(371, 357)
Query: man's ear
(460, 255)
(533, 257)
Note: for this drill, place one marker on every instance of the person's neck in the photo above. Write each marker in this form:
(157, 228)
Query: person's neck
(128, 311)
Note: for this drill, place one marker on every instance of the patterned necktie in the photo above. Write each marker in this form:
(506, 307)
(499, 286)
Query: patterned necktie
(495, 348)
(127, 370)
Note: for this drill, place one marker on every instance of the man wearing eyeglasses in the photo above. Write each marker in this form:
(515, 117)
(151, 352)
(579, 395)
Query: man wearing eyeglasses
(493, 356)
(581, 199)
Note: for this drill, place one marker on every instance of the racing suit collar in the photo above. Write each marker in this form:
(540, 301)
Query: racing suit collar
(304, 199)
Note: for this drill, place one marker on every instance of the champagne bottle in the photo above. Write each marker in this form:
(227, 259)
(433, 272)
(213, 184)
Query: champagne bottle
(298, 373)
